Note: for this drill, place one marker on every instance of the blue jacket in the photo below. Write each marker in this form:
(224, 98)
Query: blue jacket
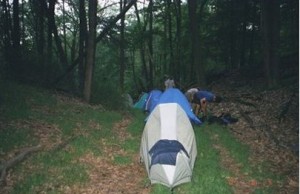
(204, 94)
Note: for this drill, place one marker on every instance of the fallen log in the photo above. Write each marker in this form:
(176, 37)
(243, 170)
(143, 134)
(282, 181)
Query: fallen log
(10, 163)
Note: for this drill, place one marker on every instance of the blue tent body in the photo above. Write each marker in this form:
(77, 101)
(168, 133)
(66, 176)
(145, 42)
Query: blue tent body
(152, 100)
(174, 95)
(142, 101)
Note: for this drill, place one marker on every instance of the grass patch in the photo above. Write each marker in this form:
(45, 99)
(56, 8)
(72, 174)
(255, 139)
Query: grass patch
(13, 103)
(13, 137)
(131, 145)
(241, 153)
(237, 150)
(82, 145)
(50, 171)
(208, 176)
(29, 184)
(122, 160)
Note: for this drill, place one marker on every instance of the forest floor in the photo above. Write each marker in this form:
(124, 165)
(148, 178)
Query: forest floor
(268, 123)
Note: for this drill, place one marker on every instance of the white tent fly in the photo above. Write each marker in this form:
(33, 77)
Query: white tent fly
(168, 146)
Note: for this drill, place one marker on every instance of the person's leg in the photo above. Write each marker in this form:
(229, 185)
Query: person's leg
(193, 105)
(203, 103)
(197, 109)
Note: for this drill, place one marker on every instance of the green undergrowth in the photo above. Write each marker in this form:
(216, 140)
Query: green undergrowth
(26, 110)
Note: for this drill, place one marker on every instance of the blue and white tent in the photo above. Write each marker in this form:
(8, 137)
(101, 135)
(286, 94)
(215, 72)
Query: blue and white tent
(174, 95)
(152, 100)
(168, 145)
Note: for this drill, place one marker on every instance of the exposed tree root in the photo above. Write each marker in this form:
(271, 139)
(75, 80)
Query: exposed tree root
(20, 157)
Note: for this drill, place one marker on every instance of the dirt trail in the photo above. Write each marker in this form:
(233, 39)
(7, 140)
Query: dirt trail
(108, 177)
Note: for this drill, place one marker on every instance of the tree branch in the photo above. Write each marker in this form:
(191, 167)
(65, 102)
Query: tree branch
(10, 163)
(101, 35)
(114, 21)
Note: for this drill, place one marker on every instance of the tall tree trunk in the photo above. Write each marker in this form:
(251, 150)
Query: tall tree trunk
(243, 35)
(58, 42)
(122, 48)
(16, 25)
(6, 25)
(15, 57)
(91, 47)
(22, 24)
(165, 38)
(233, 26)
(142, 45)
(270, 29)
(196, 68)
(82, 44)
(49, 36)
(64, 29)
(150, 44)
(178, 69)
(199, 56)
(192, 7)
(252, 34)
(169, 19)
(40, 31)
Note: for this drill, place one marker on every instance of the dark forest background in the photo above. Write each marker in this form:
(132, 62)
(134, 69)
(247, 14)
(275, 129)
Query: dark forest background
(75, 46)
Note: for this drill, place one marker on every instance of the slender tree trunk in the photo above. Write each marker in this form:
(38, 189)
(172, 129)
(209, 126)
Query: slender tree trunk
(142, 44)
(233, 34)
(169, 18)
(199, 57)
(192, 5)
(134, 77)
(91, 47)
(251, 48)
(6, 25)
(252, 35)
(196, 69)
(270, 30)
(82, 44)
(16, 25)
(178, 69)
(16, 55)
(58, 42)
(122, 48)
(243, 34)
(40, 15)
(49, 36)
(165, 38)
(22, 24)
(150, 44)
(64, 29)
